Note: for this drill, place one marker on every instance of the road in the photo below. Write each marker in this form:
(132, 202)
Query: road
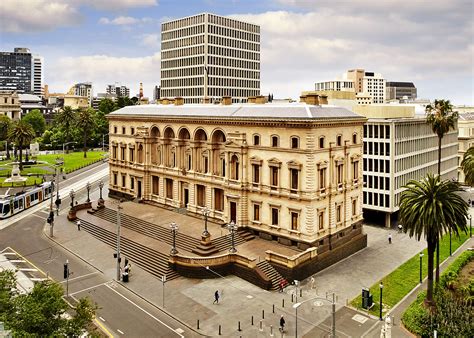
(121, 313)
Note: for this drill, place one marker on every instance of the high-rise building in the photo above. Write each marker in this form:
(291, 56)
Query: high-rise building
(374, 85)
(156, 93)
(206, 55)
(357, 76)
(336, 85)
(118, 90)
(21, 71)
(82, 89)
(398, 90)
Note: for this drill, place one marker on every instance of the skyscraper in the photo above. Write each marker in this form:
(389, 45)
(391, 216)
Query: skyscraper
(206, 55)
(21, 71)
(119, 90)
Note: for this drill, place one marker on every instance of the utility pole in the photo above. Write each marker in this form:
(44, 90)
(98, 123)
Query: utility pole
(58, 201)
(118, 240)
(50, 219)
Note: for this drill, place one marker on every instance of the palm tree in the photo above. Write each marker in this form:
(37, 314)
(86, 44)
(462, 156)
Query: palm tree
(66, 118)
(21, 133)
(441, 118)
(467, 165)
(430, 208)
(86, 123)
(5, 125)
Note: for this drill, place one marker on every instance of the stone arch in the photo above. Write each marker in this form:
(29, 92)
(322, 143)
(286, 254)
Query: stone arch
(200, 135)
(168, 133)
(218, 136)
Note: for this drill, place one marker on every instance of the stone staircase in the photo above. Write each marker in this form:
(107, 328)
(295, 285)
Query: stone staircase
(271, 273)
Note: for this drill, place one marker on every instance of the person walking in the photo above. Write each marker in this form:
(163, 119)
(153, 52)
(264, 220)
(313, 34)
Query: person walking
(78, 225)
(389, 238)
(312, 282)
(282, 324)
(216, 297)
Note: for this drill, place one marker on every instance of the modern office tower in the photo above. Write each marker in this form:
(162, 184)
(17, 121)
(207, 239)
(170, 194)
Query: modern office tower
(21, 71)
(156, 93)
(336, 85)
(357, 76)
(399, 90)
(400, 146)
(374, 85)
(210, 56)
(118, 90)
(83, 89)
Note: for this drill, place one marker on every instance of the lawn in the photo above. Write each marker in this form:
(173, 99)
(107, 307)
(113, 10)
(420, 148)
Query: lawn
(72, 162)
(402, 280)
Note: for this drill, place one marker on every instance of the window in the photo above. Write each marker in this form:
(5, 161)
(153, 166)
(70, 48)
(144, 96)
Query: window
(275, 212)
(123, 130)
(122, 153)
(219, 199)
(256, 212)
(355, 170)
(131, 155)
(322, 179)
(124, 181)
(255, 173)
(132, 131)
(132, 183)
(274, 176)
(200, 195)
(234, 168)
(354, 138)
(115, 178)
(155, 185)
(115, 130)
(294, 143)
(321, 142)
(275, 141)
(256, 140)
(294, 174)
(321, 220)
(294, 221)
(387, 132)
(114, 152)
(169, 188)
(338, 213)
(340, 174)
(354, 207)
(339, 140)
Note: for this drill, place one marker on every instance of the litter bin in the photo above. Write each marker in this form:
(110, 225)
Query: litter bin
(125, 277)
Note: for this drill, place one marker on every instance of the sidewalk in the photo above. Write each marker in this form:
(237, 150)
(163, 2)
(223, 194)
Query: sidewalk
(190, 300)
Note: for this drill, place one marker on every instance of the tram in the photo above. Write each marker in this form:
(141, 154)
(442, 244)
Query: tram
(13, 204)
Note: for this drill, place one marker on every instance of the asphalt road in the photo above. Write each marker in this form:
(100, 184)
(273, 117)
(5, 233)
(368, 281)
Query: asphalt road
(122, 313)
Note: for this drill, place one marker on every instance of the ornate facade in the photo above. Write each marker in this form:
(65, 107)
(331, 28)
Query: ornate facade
(289, 172)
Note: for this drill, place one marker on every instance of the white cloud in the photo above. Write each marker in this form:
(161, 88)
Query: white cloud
(102, 70)
(152, 41)
(123, 20)
(114, 5)
(38, 15)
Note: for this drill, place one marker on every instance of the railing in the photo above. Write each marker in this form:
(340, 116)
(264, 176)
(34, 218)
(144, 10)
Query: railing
(226, 258)
(293, 261)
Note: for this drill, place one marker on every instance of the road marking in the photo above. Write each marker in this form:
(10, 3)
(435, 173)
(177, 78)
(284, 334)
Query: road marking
(43, 218)
(28, 269)
(86, 275)
(179, 330)
(29, 262)
(104, 329)
(86, 289)
(102, 319)
(120, 331)
(148, 313)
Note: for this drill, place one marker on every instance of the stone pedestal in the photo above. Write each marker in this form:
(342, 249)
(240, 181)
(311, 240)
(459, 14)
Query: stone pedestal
(206, 247)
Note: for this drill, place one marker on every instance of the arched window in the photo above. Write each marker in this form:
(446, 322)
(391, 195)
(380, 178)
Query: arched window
(275, 141)
(339, 140)
(295, 142)
(354, 138)
(321, 142)
(140, 154)
(256, 140)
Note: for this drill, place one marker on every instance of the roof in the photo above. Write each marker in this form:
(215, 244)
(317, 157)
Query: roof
(29, 98)
(239, 111)
(466, 116)
(400, 84)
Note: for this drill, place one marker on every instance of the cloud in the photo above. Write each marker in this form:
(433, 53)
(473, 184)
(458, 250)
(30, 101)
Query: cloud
(114, 5)
(102, 70)
(39, 15)
(123, 21)
(152, 41)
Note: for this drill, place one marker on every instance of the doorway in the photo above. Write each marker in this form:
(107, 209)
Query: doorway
(233, 212)
(139, 190)
(186, 197)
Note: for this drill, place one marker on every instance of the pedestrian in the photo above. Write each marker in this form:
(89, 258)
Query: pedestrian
(280, 286)
(312, 282)
(78, 225)
(216, 297)
(282, 324)
(126, 261)
(389, 238)
(400, 228)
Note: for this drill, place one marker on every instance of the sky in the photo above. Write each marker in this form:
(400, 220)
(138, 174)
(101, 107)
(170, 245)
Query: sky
(429, 43)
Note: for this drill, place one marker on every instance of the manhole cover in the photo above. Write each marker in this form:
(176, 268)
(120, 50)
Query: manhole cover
(359, 318)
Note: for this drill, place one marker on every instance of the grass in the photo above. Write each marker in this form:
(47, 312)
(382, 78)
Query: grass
(72, 162)
(402, 280)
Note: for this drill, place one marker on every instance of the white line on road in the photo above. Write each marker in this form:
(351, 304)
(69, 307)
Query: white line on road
(82, 276)
(120, 331)
(102, 319)
(148, 313)
(86, 289)
(43, 218)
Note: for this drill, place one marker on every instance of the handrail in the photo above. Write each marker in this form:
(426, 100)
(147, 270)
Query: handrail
(213, 260)
(293, 261)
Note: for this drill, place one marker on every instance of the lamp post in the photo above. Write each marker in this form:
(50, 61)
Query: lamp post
(58, 201)
(296, 306)
(232, 227)
(470, 225)
(205, 213)
(101, 186)
(381, 288)
(51, 212)
(72, 194)
(119, 207)
(174, 230)
(421, 264)
(450, 242)
(88, 187)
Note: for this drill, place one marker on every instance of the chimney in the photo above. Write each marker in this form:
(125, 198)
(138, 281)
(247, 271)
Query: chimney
(251, 99)
(227, 100)
(179, 101)
(323, 99)
(312, 99)
(260, 99)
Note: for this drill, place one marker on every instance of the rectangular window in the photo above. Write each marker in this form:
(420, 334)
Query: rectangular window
(132, 183)
(338, 213)
(256, 212)
(376, 131)
(294, 179)
(200, 195)
(322, 179)
(365, 164)
(294, 221)
(354, 207)
(132, 131)
(155, 185)
(355, 170)
(219, 199)
(370, 131)
(115, 178)
(122, 153)
(123, 130)
(275, 212)
(169, 188)
(387, 201)
(124, 178)
(339, 175)
(274, 176)
(387, 166)
(387, 183)
(132, 155)
(255, 173)
(387, 132)
(321, 220)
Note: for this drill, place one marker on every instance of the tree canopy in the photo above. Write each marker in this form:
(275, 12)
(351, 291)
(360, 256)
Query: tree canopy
(36, 119)
(467, 165)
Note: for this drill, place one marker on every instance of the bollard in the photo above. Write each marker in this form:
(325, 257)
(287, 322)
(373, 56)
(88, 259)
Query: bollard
(239, 327)
(282, 303)
(393, 320)
(252, 320)
(292, 298)
(220, 333)
(271, 330)
(273, 308)
(261, 325)
(301, 292)
(198, 324)
(263, 314)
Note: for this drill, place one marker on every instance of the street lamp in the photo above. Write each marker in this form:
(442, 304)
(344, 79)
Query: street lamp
(58, 200)
(421, 264)
(205, 213)
(232, 227)
(296, 306)
(119, 207)
(450, 241)
(381, 288)
(101, 186)
(72, 194)
(88, 187)
(174, 230)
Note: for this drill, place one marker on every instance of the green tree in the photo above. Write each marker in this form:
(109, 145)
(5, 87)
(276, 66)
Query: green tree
(66, 118)
(441, 118)
(467, 165)
(7, 292)
(21, 133)
(5, 125)
(37, 121)
(107, 106)
(86, 124)
(430, 208)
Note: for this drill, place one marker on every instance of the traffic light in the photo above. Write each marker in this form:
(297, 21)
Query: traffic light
(66, 270)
